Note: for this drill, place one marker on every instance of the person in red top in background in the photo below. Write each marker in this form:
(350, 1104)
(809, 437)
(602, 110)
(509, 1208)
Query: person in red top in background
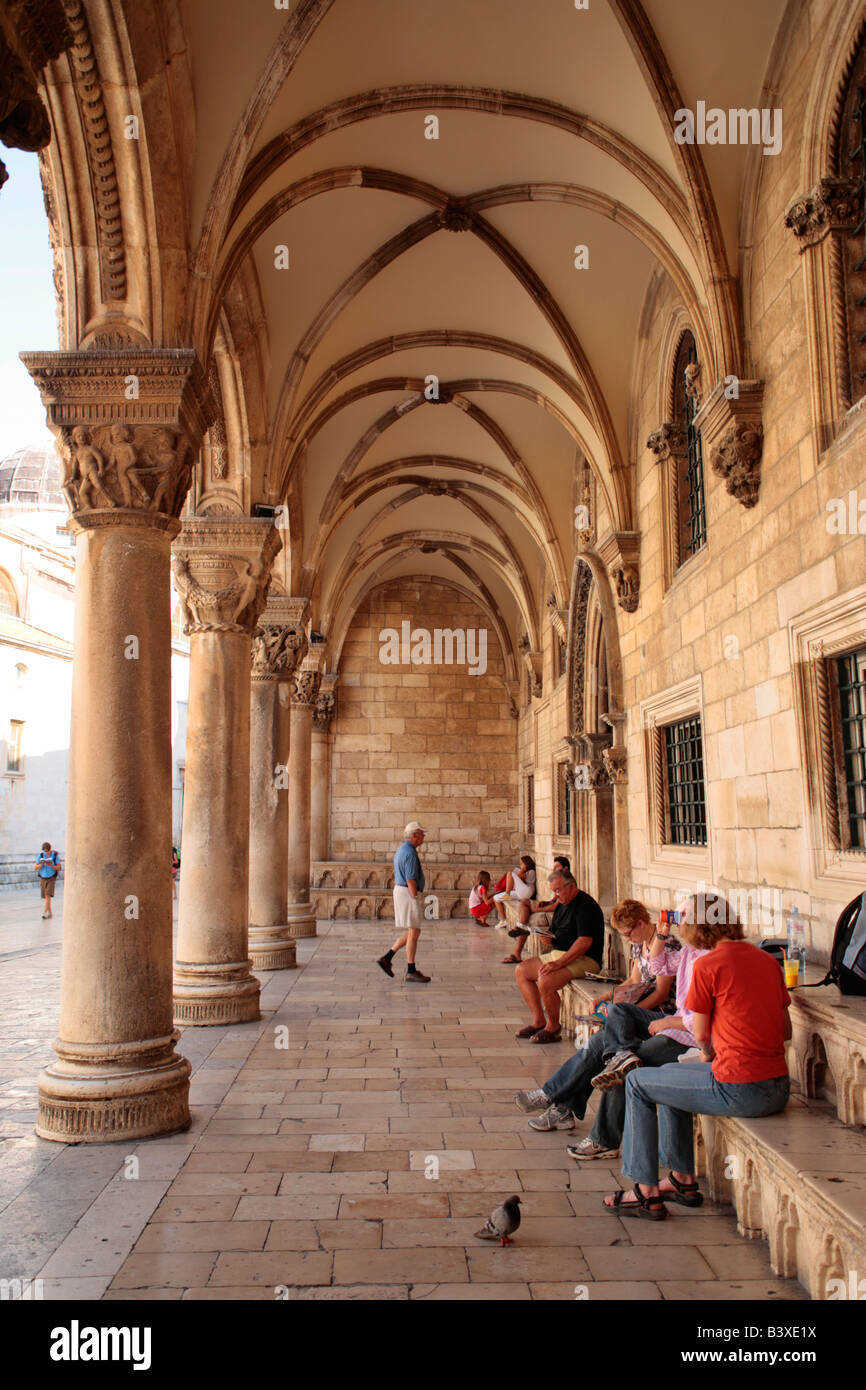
(739, 1007)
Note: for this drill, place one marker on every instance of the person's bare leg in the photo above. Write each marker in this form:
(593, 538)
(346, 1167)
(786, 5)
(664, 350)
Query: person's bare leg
(401, 941)
(549, 989)
(525, 974)
(411, 944)
(523, 913)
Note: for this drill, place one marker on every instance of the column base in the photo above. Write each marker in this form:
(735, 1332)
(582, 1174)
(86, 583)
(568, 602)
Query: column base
(213, 995)
(301, 920)
(272, 948)
(105, 1093)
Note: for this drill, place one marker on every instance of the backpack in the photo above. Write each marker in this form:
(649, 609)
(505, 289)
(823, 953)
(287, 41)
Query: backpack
(848, 956)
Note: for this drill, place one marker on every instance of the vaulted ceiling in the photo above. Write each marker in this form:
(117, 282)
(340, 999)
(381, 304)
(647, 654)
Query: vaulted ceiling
(409, 355)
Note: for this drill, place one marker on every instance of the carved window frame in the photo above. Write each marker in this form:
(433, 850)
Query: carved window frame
(675, 461)
(529, 802)
(817, 638)
(691, 863)
(563, 809)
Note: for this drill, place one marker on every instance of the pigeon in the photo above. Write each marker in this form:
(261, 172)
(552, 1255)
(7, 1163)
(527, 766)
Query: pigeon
(502, 1223)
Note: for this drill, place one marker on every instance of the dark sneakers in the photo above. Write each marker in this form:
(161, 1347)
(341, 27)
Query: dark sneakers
(384, 962)
(415, 977)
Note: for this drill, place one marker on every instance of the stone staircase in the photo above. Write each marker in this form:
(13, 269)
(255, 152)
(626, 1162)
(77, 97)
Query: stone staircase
(797, 1180)
(357, 889)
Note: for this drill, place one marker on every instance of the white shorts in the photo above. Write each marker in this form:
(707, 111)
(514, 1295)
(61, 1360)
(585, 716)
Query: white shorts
(407, 910)
(520, 892)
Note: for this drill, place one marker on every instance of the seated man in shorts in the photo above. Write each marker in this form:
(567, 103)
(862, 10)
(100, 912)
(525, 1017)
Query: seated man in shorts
(575, 948)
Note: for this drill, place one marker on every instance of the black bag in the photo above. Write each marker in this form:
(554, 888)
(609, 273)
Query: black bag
(848, 956)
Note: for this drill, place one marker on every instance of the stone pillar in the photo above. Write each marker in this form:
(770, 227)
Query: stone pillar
(222, 571)
(320, 771)
(305, 692)
(280, 642)
(127, 467)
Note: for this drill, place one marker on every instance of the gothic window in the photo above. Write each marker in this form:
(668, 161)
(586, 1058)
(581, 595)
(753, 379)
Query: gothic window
(530, 804)
(690, 522)
(850, 746)
(686, 812)
(563, 802)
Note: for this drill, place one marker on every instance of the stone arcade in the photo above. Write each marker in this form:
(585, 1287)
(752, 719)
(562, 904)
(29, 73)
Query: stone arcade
(266, 248)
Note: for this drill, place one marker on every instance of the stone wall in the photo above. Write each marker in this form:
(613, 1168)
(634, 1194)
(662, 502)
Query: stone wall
(725, 616)
(425, 741)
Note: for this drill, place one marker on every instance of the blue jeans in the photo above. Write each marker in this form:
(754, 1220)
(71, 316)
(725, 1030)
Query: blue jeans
(660, 1104)
(571, 1086)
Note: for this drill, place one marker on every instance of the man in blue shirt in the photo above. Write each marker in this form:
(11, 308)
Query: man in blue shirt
(47, 867)
(408, 885)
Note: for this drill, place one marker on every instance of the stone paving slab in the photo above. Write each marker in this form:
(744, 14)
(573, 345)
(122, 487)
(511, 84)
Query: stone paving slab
(307, 1169)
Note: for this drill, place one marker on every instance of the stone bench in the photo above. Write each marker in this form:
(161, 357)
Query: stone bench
(355, 889)
(798, 1180)
(829, 1047)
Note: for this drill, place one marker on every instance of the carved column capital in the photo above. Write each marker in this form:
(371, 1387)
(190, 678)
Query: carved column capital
(620, 551)
(668, 441)
(305, 687)
(326, 702)
(222, 570)
(833, 205)
(533, 661)
(128, 423)
(280, 641)
(733, 436)
(558, 616)
(615, 760)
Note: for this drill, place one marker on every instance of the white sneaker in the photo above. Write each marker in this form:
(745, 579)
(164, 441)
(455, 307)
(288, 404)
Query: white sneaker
(527, 1101)
(555, 1117)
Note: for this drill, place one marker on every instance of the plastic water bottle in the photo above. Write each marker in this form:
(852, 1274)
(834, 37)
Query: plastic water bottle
(797, 942)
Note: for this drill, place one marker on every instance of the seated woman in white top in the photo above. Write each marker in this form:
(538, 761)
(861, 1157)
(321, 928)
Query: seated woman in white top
(518, 885)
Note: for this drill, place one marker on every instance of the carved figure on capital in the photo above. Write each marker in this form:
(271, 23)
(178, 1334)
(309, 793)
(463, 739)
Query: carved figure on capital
(111, 466)
(324, 711)
(305, 687)
(233, 608)
(276, 650)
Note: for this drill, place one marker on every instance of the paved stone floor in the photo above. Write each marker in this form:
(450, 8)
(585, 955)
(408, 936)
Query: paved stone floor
(305, 1173)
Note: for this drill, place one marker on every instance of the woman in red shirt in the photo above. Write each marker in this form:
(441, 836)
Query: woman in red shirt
(740, 1009)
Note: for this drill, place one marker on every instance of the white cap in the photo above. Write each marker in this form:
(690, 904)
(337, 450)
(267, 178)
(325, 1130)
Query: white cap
(412, 827)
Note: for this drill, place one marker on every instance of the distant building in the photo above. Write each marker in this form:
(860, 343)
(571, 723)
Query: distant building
(37, 584)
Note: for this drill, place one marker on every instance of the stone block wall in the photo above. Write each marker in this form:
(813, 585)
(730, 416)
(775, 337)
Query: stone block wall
(429, 742)
(724, 619)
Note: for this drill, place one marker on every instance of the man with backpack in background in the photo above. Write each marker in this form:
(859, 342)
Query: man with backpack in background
(47, 866)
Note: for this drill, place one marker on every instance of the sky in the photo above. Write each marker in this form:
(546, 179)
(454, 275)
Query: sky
(27, 314)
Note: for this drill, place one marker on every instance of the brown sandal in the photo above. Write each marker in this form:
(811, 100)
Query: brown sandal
(510, 960)
(544, 1035)
(529, 1031)
(651, 1208)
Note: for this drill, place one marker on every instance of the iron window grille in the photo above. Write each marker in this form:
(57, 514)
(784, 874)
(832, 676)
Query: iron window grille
(686, 796)
(851, 677)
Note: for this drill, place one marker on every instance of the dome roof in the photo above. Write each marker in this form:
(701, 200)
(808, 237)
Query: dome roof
(31, 476)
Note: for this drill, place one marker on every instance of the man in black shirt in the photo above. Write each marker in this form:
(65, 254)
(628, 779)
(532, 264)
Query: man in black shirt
(575, 947)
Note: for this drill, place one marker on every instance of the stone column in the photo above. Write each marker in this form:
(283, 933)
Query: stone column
(305, 692)
(280, 642)
(320, 771)
(127, 467)
(222, 571)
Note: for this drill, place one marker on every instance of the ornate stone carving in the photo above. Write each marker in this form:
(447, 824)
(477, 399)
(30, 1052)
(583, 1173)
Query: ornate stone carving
(582, 588)
(532, 660)
(832, 205)
(455, 216)
(222, 571)
(100, 154)
(276, 650)
(620, 551)
(692, 385)
(216, 436)
(305, 687)
(668, 441)
(324, 711)
(32, 34)
(558, 616)
(737, 459)
(614, 760)
(125, 466)
(128, 423)
(733, 436)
